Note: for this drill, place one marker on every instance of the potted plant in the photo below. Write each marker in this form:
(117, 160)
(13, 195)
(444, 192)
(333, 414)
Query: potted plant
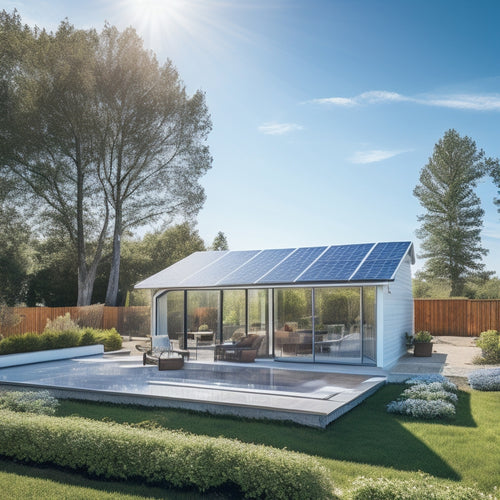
(422, 344)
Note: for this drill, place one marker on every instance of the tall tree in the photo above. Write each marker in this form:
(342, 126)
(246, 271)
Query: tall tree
(152, 149)
(451, 227)
(101, 134)
(50, 134)
(220, 242)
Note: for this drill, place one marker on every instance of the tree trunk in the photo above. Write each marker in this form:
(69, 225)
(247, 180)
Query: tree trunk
(114, 273)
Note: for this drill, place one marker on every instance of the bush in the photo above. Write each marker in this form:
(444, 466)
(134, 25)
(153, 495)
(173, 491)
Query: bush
(61, 323)
(489, 342)
(88, 337)
(432, 379)
(111, 339)
(421, 408)
(411, 489)
(422, 336)
(485, 380)
(164, 457)
(27, 342)
(40, 402)
(429, 392)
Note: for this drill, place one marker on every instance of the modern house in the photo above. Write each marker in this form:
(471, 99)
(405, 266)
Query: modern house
(331, 304)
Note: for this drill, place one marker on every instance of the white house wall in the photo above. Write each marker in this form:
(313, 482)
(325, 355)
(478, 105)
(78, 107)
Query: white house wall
(397, 315)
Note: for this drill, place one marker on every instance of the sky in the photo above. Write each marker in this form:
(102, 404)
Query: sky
(324, 111)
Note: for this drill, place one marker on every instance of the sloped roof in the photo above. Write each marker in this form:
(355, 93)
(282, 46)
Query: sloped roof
(366, 262)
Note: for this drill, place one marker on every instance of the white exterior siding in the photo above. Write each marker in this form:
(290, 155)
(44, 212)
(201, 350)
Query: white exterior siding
(395, 316)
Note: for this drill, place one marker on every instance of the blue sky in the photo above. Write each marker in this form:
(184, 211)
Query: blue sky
(324, 111)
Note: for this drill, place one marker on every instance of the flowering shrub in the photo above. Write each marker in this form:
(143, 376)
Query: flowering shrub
(429, 392)
(420, 408)
(40, 402)
(446, 385)
(429, 396)
(485, 380)
(423, 487)
(489, 342)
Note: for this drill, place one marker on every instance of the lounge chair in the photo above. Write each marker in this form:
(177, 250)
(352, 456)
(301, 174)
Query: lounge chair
(244, 351)
(160, 345)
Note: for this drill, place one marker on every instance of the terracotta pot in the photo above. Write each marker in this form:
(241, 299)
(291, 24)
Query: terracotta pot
(422, 349)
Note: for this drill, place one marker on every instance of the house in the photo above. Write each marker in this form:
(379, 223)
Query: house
(348, 304)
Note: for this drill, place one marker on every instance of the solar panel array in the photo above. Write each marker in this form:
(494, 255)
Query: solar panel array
(336, 264)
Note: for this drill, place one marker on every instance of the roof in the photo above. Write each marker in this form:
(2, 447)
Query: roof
(366, 262)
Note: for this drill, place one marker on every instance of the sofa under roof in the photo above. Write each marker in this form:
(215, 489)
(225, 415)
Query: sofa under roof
(335, 264)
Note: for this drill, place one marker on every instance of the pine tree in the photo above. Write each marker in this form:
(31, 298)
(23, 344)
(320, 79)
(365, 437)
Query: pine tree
(451, 226)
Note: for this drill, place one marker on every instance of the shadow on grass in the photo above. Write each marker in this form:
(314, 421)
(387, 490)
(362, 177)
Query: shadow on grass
(366, 435)
(72, 478)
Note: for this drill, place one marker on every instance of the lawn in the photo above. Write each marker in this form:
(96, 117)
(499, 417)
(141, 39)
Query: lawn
(366, 441)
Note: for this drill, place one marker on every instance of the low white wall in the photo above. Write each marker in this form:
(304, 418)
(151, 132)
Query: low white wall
(26, 358)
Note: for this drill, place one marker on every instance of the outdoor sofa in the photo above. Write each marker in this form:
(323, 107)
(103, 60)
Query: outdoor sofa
(243, 351)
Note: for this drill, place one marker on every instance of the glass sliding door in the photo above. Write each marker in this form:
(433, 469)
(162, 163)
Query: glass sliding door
(293, 336)
(234, 315)
(258, 318)
(337, 324)
(202, 316)
(369, 325)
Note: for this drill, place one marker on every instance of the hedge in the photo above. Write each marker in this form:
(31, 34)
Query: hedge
(422, 487)
(51, 339)
(118, 451)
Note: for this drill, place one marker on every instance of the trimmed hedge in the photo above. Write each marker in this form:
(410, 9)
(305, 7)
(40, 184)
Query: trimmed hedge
(164, 457)
(411, 489)
(51, 339)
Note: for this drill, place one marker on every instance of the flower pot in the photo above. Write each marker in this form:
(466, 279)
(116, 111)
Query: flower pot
(422, 349)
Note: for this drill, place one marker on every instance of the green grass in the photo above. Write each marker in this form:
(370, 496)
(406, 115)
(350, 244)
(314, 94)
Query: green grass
(367, 441)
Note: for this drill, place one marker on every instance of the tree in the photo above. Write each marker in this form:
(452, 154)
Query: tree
(101, 134)
(50, 133)
(220, 242)
(451, 226)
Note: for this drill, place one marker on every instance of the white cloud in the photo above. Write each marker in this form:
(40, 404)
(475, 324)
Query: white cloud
(476, 102)
(363, 157)
(273, 128)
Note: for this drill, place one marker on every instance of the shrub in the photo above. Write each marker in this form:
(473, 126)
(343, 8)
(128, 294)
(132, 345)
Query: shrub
(88, 337)
(429, 392)
(485, 380)
(165, 457)
(27, 342)
(421, 408)
(61, 323)
(40, 402)
(411, 489)
(422, 336)
(111, 339)
(431, 380)
(489, 342)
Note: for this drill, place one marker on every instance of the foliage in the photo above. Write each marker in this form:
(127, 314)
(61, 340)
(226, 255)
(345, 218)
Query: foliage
(423, 487)
(111, 339)
(90, 316)
(61, 323)
(158, 456)
(50, 339)
(451, 226)
(485, 380)
(220, 242)
(483, 288)
(8, 318)
(83, 167)
(40, 402)
(422, 408)
(423, 336)
(489, 342)
(427, 398)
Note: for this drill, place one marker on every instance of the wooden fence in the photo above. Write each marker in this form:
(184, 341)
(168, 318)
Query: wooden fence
(459, 317)
(127, 320)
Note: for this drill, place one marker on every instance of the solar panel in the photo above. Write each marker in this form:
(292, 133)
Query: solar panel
(292, 266)
(252, 270)
(173, 275)
(219, 269)
(382, 262)
(337, 263)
